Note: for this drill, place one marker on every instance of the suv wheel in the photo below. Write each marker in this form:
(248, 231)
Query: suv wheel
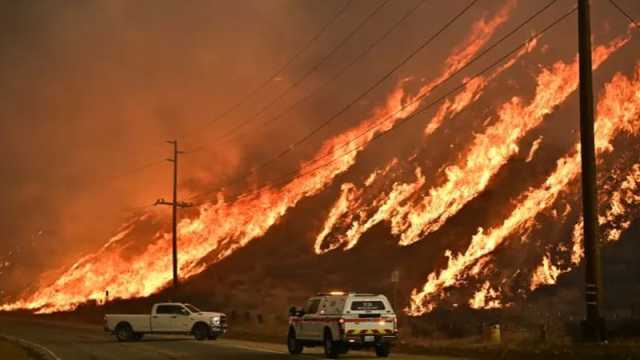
(383, 349)
(294, 346)
(330, 349)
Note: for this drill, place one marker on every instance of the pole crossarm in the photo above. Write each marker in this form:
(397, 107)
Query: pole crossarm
(180, 204)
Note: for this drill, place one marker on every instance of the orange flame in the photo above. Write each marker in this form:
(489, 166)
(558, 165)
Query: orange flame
(344, 206)
(472, 91)
(486, 298)
(389, 207)
(489, 152)
(219, 229)
(618, 110)
(494, 147)
(223, 227)
(545, 274)
(481, 32)
(616, 215)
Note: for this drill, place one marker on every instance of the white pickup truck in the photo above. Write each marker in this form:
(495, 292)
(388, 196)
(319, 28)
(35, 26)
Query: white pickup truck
(167, 318)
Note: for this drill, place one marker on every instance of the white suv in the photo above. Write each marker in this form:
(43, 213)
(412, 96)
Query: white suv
(342, 321)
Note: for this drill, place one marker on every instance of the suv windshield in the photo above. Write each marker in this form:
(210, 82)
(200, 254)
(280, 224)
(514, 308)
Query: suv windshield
(367, 305)
(192, 308)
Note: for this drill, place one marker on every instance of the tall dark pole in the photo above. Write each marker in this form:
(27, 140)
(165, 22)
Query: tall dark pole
(593, 326)
(175, 204)
(175, 214)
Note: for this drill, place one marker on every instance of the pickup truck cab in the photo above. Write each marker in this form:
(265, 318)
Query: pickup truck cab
(342, 321)
(167, 318)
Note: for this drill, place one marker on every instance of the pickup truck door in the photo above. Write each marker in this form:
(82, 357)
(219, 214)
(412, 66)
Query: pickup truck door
(170, 318)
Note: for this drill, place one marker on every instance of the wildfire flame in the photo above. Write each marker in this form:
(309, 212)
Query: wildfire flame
(546, 274)
(222, 227)
(618, 110)
(488, 153)
(486, 298)
(390, 207)
(494, 147)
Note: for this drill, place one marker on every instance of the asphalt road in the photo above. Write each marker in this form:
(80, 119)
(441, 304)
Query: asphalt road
(79, 341)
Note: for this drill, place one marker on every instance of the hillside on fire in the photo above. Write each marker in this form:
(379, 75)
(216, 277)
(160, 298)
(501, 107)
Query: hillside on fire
(323, 146)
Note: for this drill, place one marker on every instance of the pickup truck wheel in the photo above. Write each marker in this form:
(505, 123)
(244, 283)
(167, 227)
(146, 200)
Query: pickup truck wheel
(201, 332)
(294, 346)
(383, 350)
(124, 332)
(330, 348)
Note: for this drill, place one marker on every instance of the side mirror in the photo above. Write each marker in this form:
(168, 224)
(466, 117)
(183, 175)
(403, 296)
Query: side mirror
(293, 311)
(184, 312)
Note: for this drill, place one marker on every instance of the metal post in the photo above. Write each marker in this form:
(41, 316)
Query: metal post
(175, 216)
(175, 204)
(395, 279)
(593, 326)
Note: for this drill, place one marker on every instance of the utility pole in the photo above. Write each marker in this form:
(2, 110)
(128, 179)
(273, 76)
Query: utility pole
(593, 327)
(175, 204)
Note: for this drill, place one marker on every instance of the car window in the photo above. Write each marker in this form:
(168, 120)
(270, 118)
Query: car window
(367, 305)
(312, 306)
(179, 310)
(170, 309)
(164, 309)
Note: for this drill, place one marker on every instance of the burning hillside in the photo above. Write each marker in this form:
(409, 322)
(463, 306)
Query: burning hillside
(413, 194)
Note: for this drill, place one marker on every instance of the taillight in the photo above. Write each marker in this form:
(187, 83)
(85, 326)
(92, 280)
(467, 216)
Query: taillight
(395, 324)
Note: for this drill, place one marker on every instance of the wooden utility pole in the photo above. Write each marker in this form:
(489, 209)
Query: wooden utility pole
(175, 204)
(593, 327)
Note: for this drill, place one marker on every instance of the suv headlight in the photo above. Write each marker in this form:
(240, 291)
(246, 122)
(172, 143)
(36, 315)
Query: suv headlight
(215, 320)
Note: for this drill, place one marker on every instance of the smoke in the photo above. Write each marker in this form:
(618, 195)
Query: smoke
(93, 91)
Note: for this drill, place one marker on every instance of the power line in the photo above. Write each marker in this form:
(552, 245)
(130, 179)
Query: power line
(313, 69)
(430, 105)
(340, 72)
(419, 110)
(368, 90)
(462, 68)
(390, 30)
(386, 76)
(626, 14)
(281, 69)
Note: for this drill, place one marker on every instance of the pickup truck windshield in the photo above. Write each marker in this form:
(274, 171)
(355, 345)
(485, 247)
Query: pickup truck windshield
(192, 308)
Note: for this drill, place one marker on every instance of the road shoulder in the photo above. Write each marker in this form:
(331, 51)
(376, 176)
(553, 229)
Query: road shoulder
(12, 349)
(17, 348)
